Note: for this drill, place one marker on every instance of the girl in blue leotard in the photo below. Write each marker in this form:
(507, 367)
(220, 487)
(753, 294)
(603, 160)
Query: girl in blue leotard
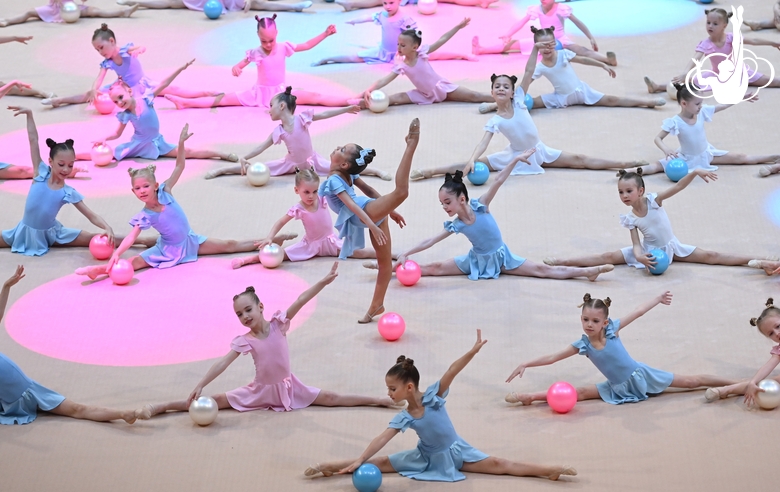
(628, 381)
(441, 454)
(489, 256)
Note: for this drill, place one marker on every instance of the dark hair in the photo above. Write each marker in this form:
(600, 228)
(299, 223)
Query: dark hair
(454, 184)
(266, 22)
(104, 33)
(356, 168)
(414, 34)
(55, 148)
(769, 310)
(287, 98)
(624, 175)
(511, 78)
(721, 12)
(589, 302)
(249, 291)
(683, 93)
(404, 371)
(540, 33)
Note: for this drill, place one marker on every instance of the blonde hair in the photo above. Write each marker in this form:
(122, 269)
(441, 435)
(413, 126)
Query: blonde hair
(770, 310)
(308, 175)
(590, 302)
(144, 172)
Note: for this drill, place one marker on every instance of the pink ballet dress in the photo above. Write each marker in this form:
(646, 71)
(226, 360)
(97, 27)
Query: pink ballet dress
(320, 239)
(271, 70)
(391, 29)
(51, 12)
(708, 47)
(275, 387)
(300, 152)
(228, 5)
(430, 86)
(554, 18)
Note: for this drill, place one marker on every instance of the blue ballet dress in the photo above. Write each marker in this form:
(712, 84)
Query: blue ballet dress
(440, 452)
(39, 228)
(130, 71)
(489, 254)
(177, 243)
(147, 142)
(348, 224)
(628, 381)
(21, 397)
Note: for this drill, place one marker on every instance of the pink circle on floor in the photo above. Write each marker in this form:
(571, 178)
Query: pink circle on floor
(171, 316)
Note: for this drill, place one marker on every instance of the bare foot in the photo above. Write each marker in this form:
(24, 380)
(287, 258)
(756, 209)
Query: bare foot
(565, 470)
(176, 100)
(599, 270)
(611, 58)
(520, 398)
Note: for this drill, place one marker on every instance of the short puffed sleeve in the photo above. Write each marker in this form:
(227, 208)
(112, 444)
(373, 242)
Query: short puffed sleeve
(533, 12)
(431, 396)
(241, 345)
(519, 99)
(582, 345)
(289, 49)
(613, 326)
(401, 422)
(478, 206)
(628, 221)
(707, 112)
(44, 171)
(775, 350)
(141, 219)
(651, 201)
(296, 211)
(254, 55)
(333, 185)
(454, 225)
(306, 117)
(399, 66)
(163, 196)
(671, 125)
(706, 47)
(280, 321)
(563, 11)
(125, 116)
(567, 54)
(492, 125)
(71, 195)
(276, 136)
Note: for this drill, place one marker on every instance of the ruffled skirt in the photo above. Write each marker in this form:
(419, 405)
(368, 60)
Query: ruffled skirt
(672, 249)
(163, 255)
(259, 95)
(25, 409)
(51, 13)
(480, 266)
(36, 242)
(437, 94)
(644, 381)
(145, 149)
(583, 94)
(306, 249)
(702, 160)
(542, 156)
(438, 467)
(351, 228)
(376, 55)
(286, 165)
(290, 394)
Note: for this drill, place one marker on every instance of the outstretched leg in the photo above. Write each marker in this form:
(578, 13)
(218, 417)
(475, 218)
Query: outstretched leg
(224, 246)
(384, 261)
(759, 25)
(462, 94)
(712, 258)
(609, 58)
(652, 168)
(579, 161)
(316, 99)
(586, 393)
(499, 466)
(765, 81)
(255, 258)
(107, 14)
(332, 467)
(97, 414)
(702, 380)
(148, 411)
(329, 399)
(451, 56)
(60, 101)
(204, 154)
(339, 59)
(278, 7)
(187, 93)
(224, 170)
(230, 99)
(611, 258)
(419, 174)
(630, 102)
(531, 269)
(28, 92)
(511, 46)
(737, 159)
(16, 172)
(20, 19)
(155, 4)
(95, 271)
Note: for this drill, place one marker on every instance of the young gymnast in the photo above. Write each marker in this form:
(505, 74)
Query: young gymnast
(51, 13)
(441, 454)
(124, 62)
(294, 132)
(14, 88)
(430, 87)
(628, 381)
(147, 141)
(550, 15)
(177, 243)
(393, 23)
(270, 59)
(371, 211)
(768, 323)
(21, 397)
(515, 123)
(695, 150)
(274, 387)
(227, 5)
(767, 24)
(489, 256)
(349, 5)
(313, 211)
(648, 217)
(569, 90)
(721, 44)
(39, 228)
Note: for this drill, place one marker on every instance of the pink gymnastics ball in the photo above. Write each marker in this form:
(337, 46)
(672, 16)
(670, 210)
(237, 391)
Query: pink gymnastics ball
(562, 397)
(408, 273)
(100, 247)
(391, 326)
(122, 273)
(103, 103)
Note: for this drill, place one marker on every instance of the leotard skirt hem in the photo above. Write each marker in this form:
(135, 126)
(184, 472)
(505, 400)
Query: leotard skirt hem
(259, 95)
(36, 242)
(438, 94)
(286, 165)
(702, 160)
(163, 255)
(481, 266)
(644, 381)
(543, 155)
(672, 249)
(149, 149)
(583, 94)
(25, 409)
(443, 466)
(289, 394)
(376, 55)
(51, 13)
(305, 249)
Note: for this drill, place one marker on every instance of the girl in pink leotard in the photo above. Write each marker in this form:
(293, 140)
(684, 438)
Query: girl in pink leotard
(275, 387)
(227, 5)
(270, 60)
(549, 14)
(320, 238)
(721, 42)
(51, 13)
(294, 132)
(430, 87)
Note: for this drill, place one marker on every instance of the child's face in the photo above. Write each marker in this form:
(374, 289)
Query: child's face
(398, 391)
(106, 47)
(770, 327)
(62, 163)
(307, 190)
(121, 96)
(547, 3)
(593, 321)
(715, 24)
(391, 6)
(340, 155)
(267, 38)
(144, 188)
(549, 47)
(249, 313)
(693, 106)
(630, 192)
(276, 109)
(406, 45)
(502, 89)
(450, 203)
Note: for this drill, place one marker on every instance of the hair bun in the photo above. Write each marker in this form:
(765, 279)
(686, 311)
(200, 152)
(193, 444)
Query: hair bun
(753, 321)
(249, 289)
(50, 143)
(69, 142)
(458, 177)
(770, 302)
(273, 17)
(586, 298)
(104, 27)
(288, 90)
(404, 361)
(534, 29)
(621, 173)
(640, 171)
(607, 301)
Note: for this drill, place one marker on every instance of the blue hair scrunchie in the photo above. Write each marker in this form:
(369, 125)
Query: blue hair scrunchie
(362, 159)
